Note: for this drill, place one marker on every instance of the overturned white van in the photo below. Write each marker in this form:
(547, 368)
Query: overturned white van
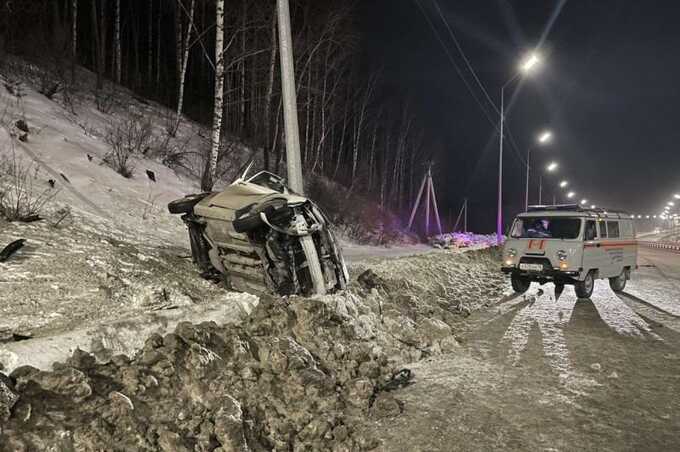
(568, 244)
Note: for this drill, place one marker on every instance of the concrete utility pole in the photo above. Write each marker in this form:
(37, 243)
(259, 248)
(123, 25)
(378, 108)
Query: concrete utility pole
(290, 113)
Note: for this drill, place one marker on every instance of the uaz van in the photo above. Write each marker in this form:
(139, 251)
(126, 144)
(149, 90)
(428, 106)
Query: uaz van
(568, 244)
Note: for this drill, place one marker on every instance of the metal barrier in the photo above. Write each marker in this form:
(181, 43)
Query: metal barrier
(673, 247)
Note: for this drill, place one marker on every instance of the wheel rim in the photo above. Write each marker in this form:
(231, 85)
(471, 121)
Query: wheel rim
(588, 283)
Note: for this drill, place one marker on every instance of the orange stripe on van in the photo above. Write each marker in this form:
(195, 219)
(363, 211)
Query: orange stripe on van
(609, 245)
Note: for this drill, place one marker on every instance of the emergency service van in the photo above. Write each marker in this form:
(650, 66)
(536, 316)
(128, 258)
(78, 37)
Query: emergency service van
(568, 244)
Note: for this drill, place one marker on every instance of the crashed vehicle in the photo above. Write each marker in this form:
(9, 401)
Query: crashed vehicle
(260, 237)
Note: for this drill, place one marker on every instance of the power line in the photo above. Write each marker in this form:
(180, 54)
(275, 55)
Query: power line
(465, 59)
(513, 144)
(455, 65)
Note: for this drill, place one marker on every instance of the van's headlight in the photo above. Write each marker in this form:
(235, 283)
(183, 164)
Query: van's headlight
(562, 257)
(510, 255)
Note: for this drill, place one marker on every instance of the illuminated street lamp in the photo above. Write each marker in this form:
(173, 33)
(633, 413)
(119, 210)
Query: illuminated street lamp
(564, 184)
(584, 202)
(676, 196)
(550, 168)
(593, 206)
(527, 65)
(544, 138)
(571, 194)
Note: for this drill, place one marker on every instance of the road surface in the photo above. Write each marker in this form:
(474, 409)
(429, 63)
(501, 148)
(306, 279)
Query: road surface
(548, 372)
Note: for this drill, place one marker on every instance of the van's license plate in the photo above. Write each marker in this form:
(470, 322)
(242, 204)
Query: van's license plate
(531, 267)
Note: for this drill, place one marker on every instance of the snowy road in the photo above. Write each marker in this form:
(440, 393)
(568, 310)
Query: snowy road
(547, 371)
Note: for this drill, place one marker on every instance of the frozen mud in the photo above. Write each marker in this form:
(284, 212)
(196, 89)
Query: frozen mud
(299, 374)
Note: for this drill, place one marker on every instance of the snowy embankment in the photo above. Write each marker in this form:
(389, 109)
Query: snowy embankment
(108, 271)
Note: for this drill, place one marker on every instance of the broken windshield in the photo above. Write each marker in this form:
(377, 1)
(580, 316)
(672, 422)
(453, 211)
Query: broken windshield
(546, 228)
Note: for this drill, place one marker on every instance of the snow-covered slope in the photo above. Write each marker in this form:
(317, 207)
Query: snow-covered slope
(118, 252)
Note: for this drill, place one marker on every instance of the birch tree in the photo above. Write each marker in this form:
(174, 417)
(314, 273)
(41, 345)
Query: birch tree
(74, 39)
(116, 40)
(208, 179)
(184, 60)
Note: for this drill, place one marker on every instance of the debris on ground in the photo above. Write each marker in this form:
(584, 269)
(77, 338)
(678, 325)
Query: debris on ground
(299, 374)
(463, 240)
(10, 249)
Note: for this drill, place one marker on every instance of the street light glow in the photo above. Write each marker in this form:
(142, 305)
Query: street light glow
(571, 194)
(584, 201)
(552, 167)
(563, 184)
(593, 206)
(671, 203)
(530, 62)
(545, 137)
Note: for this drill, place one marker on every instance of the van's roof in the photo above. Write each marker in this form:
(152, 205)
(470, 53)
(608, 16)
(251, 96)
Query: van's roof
(574, 210)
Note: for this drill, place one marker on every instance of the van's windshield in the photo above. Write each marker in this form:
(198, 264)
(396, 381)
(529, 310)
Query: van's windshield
(546, 228)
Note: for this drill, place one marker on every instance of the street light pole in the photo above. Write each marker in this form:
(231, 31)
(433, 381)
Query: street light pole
(499, 217)
(526, 195)
(527, 65)
(290, 113)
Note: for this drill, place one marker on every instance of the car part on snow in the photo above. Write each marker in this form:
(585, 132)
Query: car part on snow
(186, 204)
(262, 238)
(10, 249)
(399, 379)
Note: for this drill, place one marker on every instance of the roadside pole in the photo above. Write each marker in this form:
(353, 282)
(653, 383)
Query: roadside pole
(290, 113)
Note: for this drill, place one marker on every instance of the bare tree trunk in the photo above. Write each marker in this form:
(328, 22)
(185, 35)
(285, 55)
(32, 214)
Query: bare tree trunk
(342, 141)
(242, 71)
(74, 39)
(184, 62)
(270, 94)
(209, 175)
(97, 28)
(116, 40)
(158, 48)
(149, 46)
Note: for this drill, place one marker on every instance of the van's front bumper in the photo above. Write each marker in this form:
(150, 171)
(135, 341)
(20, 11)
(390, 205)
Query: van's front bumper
(545, 275)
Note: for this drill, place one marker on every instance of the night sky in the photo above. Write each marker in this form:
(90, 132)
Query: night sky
(609, 90)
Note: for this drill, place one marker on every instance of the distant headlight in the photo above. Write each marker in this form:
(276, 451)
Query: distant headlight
(562, 255)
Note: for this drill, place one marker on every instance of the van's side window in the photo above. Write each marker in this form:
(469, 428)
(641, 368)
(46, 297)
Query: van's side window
(603, 229)
(613, 229)
(591, 230)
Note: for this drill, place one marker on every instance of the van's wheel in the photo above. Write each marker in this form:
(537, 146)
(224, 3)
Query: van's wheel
(584, 289)
(520, 284)
(619, 283)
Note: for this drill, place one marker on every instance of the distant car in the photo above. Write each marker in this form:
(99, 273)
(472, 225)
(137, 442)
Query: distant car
(261, 238)
(570, 245)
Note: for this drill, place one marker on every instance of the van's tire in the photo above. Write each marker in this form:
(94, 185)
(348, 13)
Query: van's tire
(186, 204)
(618, 283)
(520, 284)
(584, 289)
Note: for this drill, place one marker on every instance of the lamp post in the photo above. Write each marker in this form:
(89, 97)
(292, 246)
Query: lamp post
(550, 168)
(544, 138)
(529, 63)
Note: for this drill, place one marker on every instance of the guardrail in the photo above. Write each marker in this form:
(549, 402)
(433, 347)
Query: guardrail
(673, 247)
